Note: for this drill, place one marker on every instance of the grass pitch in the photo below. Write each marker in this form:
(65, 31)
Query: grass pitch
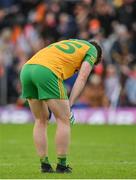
(96, 152)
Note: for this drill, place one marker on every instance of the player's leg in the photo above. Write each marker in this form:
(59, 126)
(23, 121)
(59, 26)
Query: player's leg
(39, 132)
(41, 115)
(61, 111)
(40, 111)
(50, 88)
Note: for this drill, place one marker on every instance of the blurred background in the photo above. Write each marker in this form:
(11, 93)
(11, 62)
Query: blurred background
(26, 26)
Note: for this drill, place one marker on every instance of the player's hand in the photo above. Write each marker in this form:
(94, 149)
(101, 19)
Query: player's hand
(72, 118)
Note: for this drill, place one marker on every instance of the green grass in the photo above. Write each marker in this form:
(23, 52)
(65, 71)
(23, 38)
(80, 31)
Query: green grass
(96, 152)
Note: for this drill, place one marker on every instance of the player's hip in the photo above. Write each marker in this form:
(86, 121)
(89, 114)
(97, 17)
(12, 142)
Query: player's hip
(41, 81)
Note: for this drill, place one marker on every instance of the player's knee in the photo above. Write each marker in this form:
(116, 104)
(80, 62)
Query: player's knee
(41, 122)
(46, 116)
(42, 116)
(64, 118)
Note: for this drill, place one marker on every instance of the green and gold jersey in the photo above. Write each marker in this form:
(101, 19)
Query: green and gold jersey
(65, 57)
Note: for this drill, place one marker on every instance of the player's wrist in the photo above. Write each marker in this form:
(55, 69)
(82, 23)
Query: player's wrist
(71, 103)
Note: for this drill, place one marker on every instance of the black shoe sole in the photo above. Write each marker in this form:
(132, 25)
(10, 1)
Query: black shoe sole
(42, 171)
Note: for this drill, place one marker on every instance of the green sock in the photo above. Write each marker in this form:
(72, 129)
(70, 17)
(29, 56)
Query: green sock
(62, 160)
(44, 160)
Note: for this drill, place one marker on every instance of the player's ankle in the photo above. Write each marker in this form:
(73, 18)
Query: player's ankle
(62, 160)
(44, 160)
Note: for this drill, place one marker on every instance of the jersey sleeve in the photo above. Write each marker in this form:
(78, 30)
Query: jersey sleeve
(91, 55)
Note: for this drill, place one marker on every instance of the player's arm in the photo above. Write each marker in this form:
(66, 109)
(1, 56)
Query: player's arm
(80, 82)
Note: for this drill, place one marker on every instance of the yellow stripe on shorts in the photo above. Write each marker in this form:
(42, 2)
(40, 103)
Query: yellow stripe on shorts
(61, 88)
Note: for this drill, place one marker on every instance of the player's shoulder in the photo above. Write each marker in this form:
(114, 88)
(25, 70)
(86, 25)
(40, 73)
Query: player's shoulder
(91, 48)
(84, 42)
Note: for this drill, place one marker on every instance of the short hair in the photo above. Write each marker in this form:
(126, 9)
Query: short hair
(99, 51)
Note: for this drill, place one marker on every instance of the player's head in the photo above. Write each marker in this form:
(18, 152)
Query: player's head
(99, 51)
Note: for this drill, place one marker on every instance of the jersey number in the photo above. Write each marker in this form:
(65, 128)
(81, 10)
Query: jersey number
(71, 47)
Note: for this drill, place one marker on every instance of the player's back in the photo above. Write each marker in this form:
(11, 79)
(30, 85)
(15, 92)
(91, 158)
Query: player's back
(63, 57)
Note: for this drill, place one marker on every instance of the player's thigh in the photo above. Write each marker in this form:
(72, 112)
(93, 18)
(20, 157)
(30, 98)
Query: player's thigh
(60, 108)
(39, 109)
